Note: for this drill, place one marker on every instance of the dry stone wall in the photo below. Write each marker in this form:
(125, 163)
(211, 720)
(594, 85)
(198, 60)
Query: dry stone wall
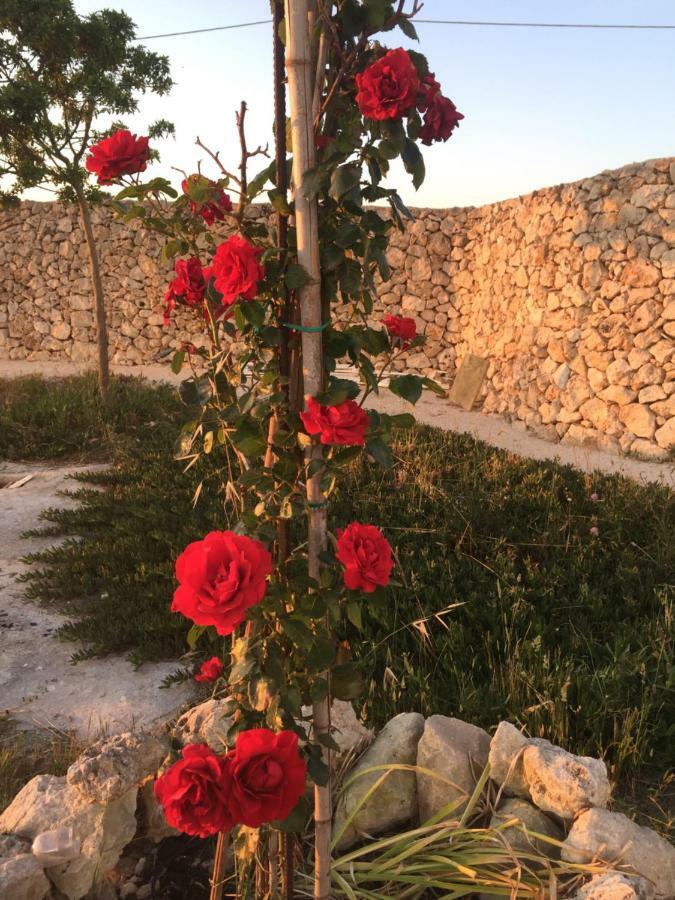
(569, 292)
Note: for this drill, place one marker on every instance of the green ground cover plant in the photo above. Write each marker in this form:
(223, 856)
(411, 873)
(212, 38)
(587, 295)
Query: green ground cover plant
(508, 604)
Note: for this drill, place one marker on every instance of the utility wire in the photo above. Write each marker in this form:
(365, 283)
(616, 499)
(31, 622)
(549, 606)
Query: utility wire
(461, 22)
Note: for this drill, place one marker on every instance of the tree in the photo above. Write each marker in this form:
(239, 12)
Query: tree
(60, 72)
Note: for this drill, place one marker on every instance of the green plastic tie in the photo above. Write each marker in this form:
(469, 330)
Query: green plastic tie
(308, 328)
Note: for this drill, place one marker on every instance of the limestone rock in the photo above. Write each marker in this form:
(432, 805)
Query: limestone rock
(109, 768)
(206, 723)
(616, 886)
(348, 732)
(562, 783)
(458, 752)
(665, 436)
(395, 801)
(639, 420)
(530, 822)
(21, 875)
(103, 831)
(506, 760)
(613, 837)
(153, 824)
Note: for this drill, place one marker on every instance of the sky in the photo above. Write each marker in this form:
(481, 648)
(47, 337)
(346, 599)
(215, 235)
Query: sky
(542, 106)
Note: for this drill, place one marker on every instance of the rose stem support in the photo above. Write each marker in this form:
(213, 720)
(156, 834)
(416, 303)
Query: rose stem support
(219, 862)
(301, 92)
(99, 297)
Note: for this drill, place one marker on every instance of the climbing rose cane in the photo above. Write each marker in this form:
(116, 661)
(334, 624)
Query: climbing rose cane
(366, 556)
(193, 792)
(403, 328)
(120, 154)
(211, 670)
(220, 578)
(388, 88)
(344, 424)
(266, 776)
(236, 270)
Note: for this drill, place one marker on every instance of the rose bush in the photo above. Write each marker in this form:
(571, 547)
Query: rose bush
(220, 578)
(215, 203)
(344, 424)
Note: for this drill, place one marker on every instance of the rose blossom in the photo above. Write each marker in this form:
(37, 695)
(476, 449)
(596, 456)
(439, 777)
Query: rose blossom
(440, 120)
(388, 88)
(344, 424)
(236, 270)
(366, 556)
(401, 327)
(213, 209)
(120, 154)
(266, 776)
(211, 670)
(220, 578)
(193, 792)
(188, 287)
(429, 88)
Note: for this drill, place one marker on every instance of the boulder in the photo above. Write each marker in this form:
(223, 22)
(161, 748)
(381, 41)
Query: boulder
(110, 767)
(506, 760)
(152, 822)
(562, 783)
(348, 732)
(22, 878)
(613, 837)
(395, 800)
(530, 821)
(208, 723)
(48, 802)
(616, 886)
(458, 753)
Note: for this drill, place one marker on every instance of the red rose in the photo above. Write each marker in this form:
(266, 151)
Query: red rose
(121, 154)
(215, 207)
(194, 793)
(440, 120)
(401, 327)
(266, 776)
(388, 89)
(366, 555)
(236, 270)
(220, 578)
(428, 90)
(211, 670)
(345, 424)
(188, 287)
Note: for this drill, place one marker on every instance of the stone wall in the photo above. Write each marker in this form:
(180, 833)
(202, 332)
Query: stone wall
(569, 292)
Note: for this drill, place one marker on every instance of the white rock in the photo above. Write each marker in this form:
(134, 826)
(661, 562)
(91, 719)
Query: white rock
(616, 886)
(22, 878)
(562, 783)
(48, 802)
(530, 821)
(347, 731)
(206, 723)
(612, 837)
(665, 436)
(639, 420)
(458, 752)
(109, 768)
(395, 801)
(506, 760)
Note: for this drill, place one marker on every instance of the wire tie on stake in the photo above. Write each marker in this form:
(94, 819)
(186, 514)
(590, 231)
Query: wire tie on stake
(307, 328)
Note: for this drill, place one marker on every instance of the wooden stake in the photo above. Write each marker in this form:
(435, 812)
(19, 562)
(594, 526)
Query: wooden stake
(301, 74)
(219, 861)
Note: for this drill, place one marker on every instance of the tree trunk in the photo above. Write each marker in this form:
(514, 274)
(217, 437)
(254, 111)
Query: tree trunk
(99, 299)
(301, 91)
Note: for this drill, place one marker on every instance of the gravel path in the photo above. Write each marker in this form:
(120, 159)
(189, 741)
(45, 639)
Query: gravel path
(38, 684)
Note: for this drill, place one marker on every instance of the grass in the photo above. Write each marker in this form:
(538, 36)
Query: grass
(567, 633)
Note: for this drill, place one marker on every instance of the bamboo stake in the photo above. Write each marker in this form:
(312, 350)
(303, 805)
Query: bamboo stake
(301, 91)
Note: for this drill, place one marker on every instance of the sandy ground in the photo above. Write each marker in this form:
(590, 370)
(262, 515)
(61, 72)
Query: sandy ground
(431, 410)
(39, 686)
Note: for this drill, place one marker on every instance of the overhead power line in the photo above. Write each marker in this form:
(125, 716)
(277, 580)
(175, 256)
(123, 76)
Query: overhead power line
(459, 22)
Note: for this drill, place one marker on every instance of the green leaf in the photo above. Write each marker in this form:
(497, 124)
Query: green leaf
(321, 654)
(193, 635)
(403, 420)
(344, 179)
(295, 822)
(408, 29)
(177, 362)
(434, 386)
(376, 12)
(296, 276)
(327, 741)
(346, 682)
(136, 212)
(408, 387)
(318, 770)
(354, 614)
(313, 181)
(347, 234)
(298, 632)
(380, 452)
(339, 390)
(413, 162)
